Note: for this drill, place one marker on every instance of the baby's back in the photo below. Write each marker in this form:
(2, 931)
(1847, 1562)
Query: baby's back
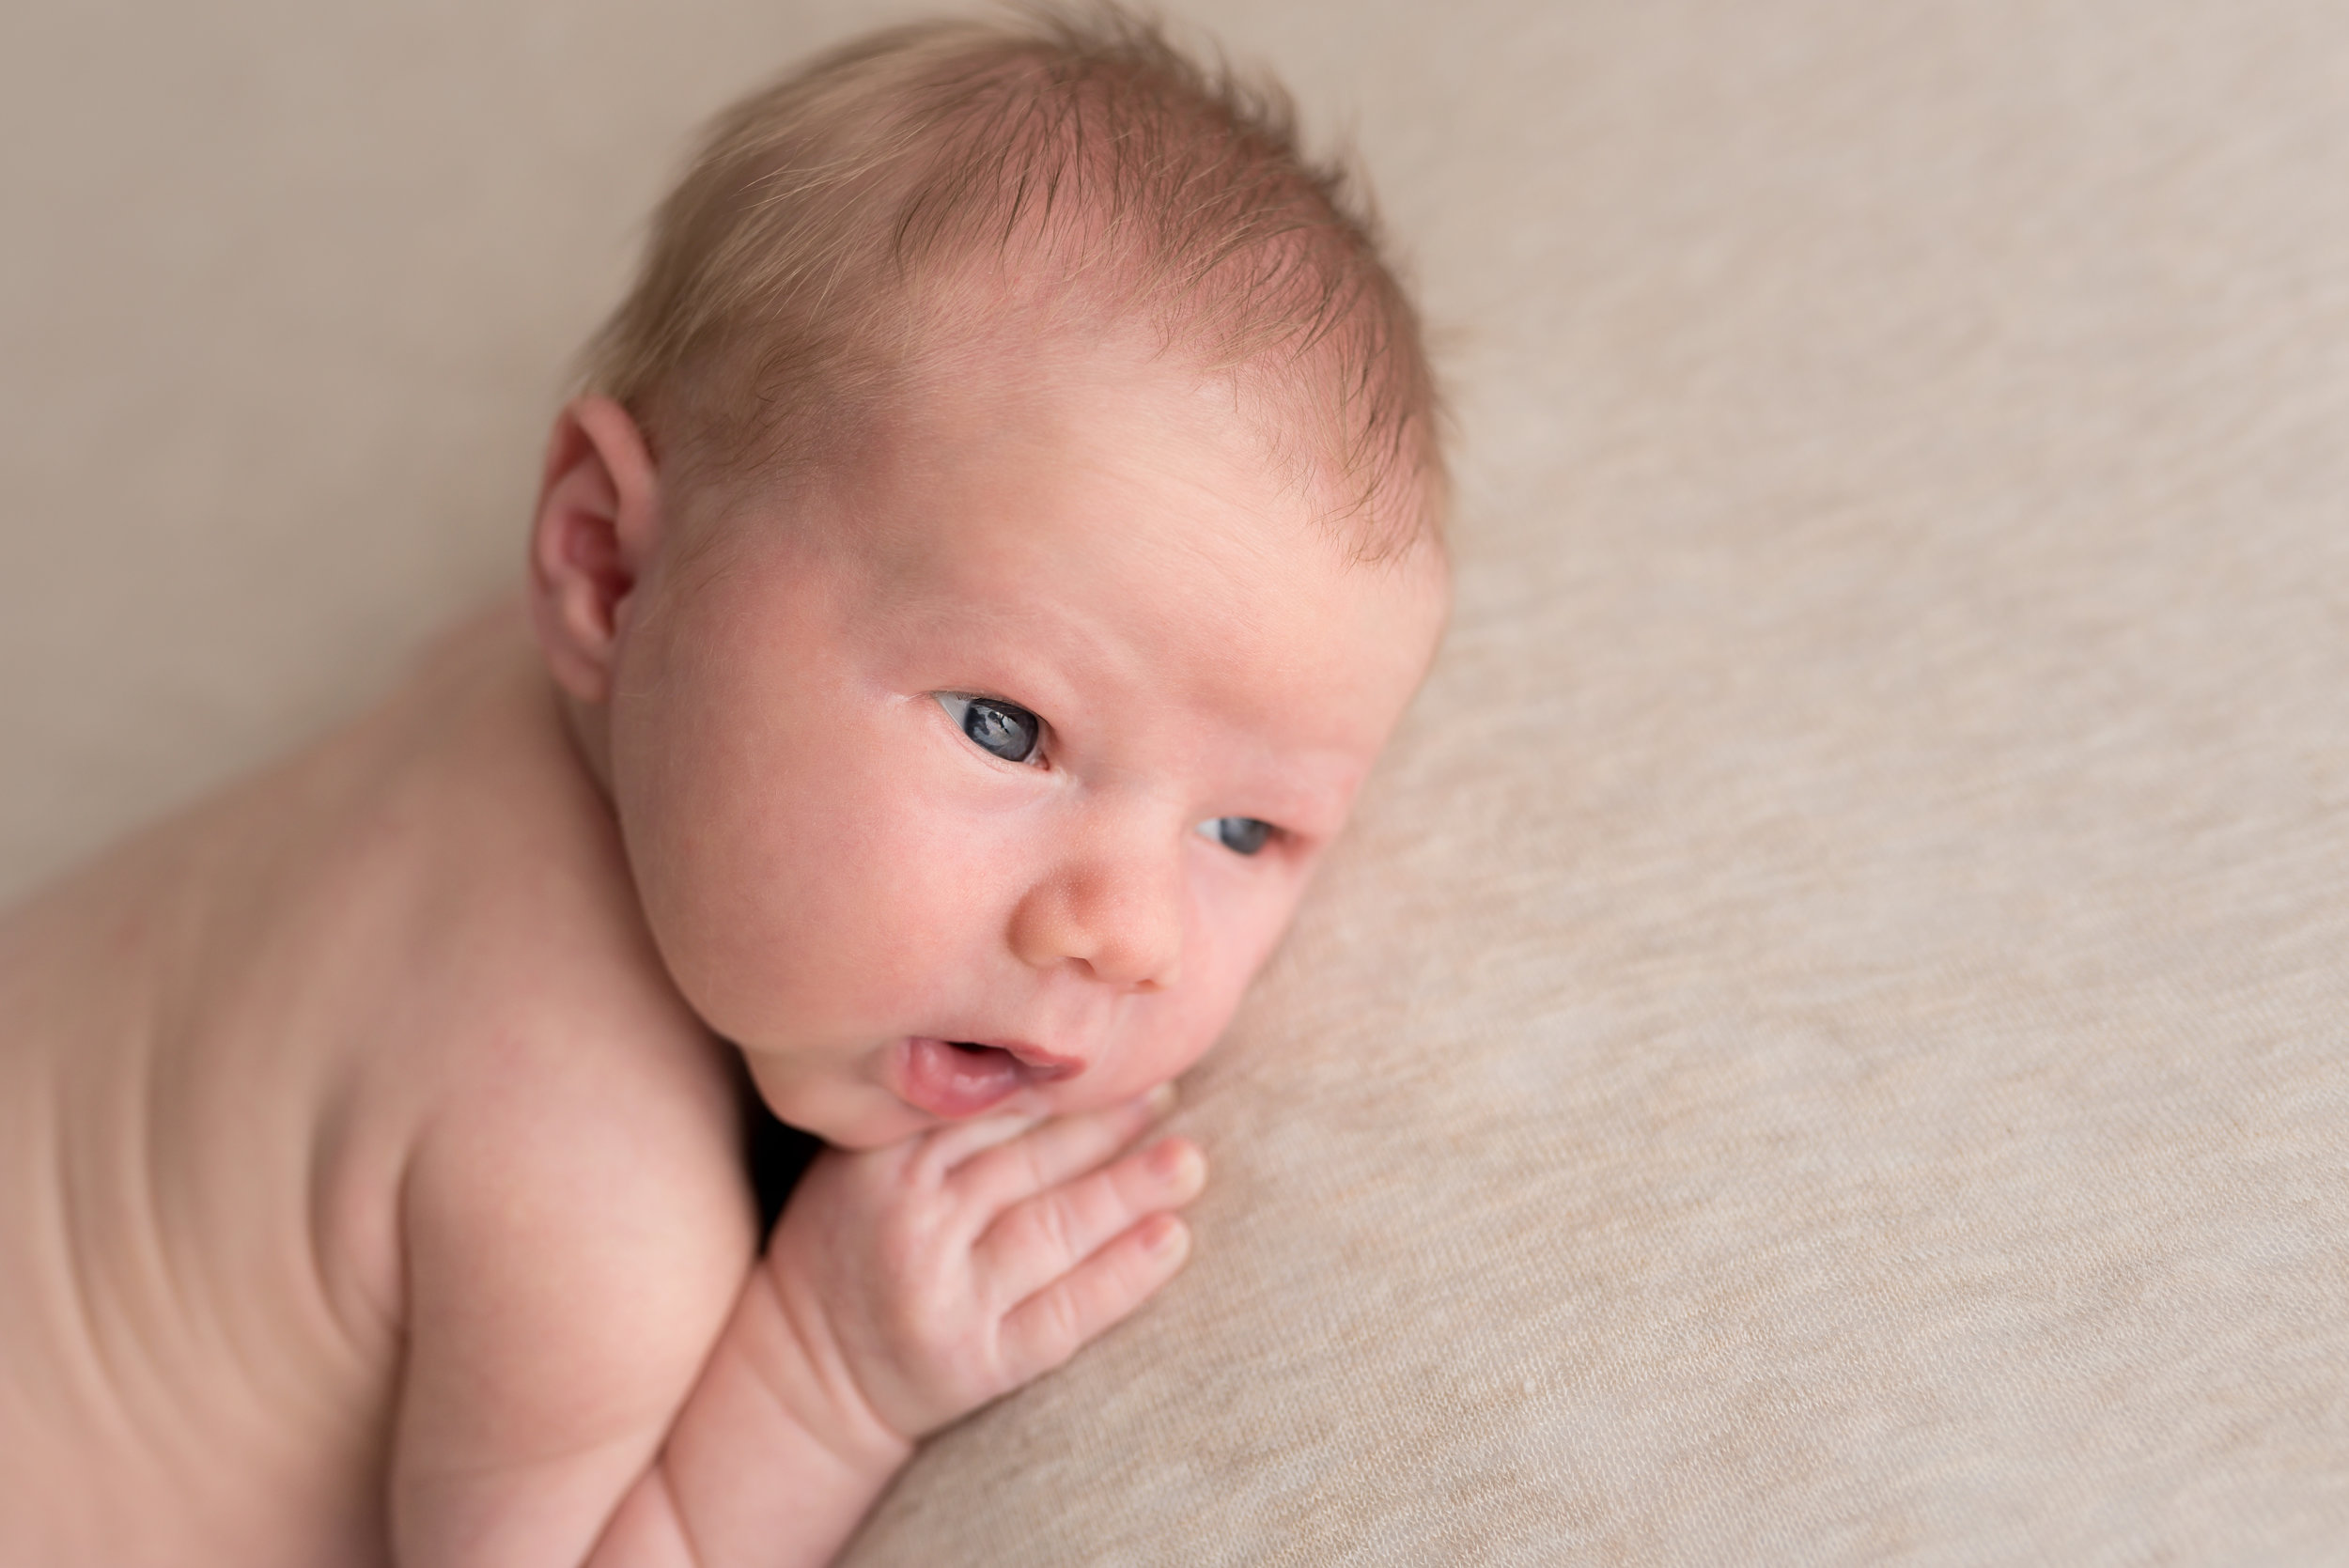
(175, 1353)
(217, 1047)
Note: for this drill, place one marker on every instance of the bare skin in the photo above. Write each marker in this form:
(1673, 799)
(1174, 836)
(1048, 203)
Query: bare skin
(369, 1152)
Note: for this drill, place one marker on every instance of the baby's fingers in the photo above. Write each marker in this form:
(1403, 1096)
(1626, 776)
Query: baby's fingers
(1034, 1242)
(993, 1180)
(1051, 1326)
(957, 1143)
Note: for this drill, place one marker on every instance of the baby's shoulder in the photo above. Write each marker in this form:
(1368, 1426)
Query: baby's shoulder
(554, 1022)
(562, 1093)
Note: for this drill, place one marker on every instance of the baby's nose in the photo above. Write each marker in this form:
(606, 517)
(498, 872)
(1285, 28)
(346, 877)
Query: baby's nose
(1121, 921)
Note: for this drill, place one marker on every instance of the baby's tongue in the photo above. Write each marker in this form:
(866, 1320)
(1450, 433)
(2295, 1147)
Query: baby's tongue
(951, 1081)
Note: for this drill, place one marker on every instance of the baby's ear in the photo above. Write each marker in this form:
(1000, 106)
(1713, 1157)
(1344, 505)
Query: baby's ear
(598, 518)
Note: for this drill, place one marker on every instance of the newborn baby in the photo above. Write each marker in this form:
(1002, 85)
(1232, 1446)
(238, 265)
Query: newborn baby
(998, 537)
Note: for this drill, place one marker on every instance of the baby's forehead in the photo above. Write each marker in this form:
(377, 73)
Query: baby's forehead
(1030, 399)
(1107, 494)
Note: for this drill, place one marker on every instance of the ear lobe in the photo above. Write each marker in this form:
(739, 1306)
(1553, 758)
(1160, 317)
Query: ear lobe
(594, 534)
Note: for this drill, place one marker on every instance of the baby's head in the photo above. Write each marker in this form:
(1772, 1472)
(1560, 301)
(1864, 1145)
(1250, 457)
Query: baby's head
(999, 535)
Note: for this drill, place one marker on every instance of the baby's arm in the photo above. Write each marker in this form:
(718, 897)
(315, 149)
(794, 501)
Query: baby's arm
(903, 1288)
(558, 1406)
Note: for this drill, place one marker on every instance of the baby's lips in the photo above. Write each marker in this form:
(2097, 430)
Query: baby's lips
(946, 1080)
(1043, 1066)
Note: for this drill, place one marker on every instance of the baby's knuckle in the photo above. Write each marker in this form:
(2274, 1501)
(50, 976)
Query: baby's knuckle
(905, 1244)
(1060, 1327)
(1054, 1226)
(929, 1166)
(1034, 1177)
(1116, 1199)
(1034, 1233)
(977, 1184)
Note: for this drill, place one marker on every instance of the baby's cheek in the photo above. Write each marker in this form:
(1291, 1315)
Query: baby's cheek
(754, 913)
(1180, 1034)
(1221, 963)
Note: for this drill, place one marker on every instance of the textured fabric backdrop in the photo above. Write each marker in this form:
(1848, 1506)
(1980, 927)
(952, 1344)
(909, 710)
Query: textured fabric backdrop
(1826, 1044)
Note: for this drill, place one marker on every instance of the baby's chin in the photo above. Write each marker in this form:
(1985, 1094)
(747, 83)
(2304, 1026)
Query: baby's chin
(845, 1112)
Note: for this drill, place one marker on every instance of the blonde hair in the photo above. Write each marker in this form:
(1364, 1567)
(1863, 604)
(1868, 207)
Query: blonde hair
(782, 288)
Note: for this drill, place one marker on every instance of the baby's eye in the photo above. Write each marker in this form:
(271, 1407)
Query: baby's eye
(1241, 835)
(1000, 729)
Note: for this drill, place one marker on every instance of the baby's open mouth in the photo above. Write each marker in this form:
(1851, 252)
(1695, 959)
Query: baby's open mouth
(961, 1077)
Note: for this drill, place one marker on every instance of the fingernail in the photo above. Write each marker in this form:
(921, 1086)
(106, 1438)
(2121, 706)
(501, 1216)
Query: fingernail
(1176, 1162)
(1161, 1099)
(1163, 1234)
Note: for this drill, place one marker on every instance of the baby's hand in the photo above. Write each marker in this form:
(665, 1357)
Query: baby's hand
(925, 1278)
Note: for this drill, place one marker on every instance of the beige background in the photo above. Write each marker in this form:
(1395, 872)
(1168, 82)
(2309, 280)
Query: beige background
(1828, 1044)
